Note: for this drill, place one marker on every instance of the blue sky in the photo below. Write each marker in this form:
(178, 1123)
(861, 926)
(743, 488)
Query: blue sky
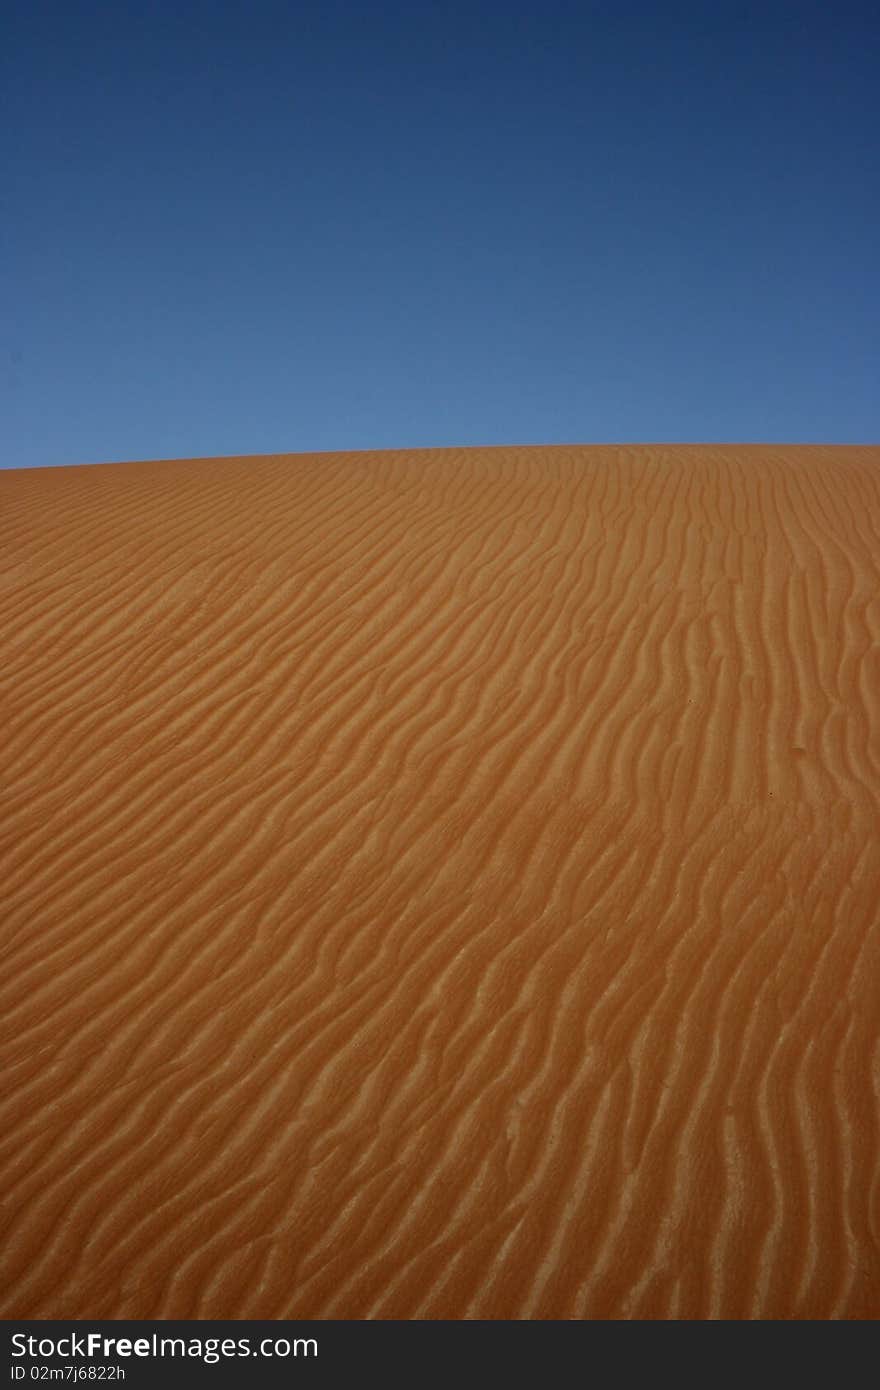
(261, 227)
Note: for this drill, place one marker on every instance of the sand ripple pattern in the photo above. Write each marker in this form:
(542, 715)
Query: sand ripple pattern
(442, 883)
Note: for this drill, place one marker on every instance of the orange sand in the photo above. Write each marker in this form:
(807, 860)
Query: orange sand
(442, 884)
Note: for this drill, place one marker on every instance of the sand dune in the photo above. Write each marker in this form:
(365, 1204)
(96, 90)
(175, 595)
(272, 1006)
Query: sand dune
(442, 884)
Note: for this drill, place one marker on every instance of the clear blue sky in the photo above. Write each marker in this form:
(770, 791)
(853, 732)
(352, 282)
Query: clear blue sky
(274, 227)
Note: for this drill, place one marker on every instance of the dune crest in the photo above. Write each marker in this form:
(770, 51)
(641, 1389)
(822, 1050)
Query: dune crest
(442, 883)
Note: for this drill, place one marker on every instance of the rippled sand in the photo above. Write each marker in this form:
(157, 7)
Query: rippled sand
(442, 884)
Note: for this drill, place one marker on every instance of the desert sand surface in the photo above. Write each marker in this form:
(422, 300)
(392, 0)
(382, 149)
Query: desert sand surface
(442, 884)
